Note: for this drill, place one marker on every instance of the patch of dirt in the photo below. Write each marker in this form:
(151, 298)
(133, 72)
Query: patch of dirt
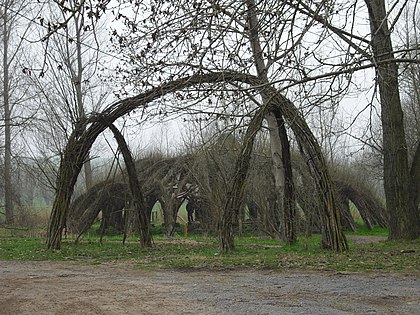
(366, 239)
(179, 241)
(120, 288)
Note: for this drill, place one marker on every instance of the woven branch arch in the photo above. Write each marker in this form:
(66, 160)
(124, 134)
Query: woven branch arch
(87, 131)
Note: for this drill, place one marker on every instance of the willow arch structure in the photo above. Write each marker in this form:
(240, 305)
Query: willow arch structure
(136, 192)
(87, 131)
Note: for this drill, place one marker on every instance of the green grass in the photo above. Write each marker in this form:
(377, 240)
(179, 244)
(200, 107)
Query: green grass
(202, 252)
(376, 231)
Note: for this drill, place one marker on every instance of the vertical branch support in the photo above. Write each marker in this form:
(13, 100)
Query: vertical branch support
(138, 198)
(235, 196)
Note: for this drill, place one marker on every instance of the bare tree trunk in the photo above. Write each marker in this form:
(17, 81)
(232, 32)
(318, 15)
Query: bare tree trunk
(77, 81)
(283, 175)
(333, 236)
(70, 166)
(241, 221)
(289, 198)
(280, 150)
(404, 221)
(138, 198)
(8, 189)
(278, 171)
(415, 180)
(235, 196)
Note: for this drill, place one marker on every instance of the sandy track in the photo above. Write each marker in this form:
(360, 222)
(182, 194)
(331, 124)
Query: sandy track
(120, 288)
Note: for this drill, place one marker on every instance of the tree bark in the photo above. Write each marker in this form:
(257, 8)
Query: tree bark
(289, 197)
(235, 195)
(404, 222)
(415, 182)
(136, 191)
(278, 170)
(77, 81)
(70, 166)
(333, 236)
(279, 142)
(8, 189)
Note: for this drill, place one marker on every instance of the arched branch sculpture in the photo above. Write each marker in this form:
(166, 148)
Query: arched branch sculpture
(88, 130)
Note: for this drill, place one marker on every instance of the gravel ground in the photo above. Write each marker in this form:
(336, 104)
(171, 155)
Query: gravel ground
(120, 288)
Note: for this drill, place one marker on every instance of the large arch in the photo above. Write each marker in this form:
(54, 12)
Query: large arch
(88, 130)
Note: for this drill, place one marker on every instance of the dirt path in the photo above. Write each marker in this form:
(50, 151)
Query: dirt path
(69, 288)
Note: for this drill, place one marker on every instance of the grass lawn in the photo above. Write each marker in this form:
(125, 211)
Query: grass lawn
(251, 251)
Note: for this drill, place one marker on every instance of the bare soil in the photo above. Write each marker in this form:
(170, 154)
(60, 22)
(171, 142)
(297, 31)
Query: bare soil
(121, 288)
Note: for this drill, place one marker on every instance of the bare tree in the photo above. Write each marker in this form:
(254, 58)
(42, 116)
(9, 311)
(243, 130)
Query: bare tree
(14, 30)
(410, 86)
(68, 83)
(404, 219)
